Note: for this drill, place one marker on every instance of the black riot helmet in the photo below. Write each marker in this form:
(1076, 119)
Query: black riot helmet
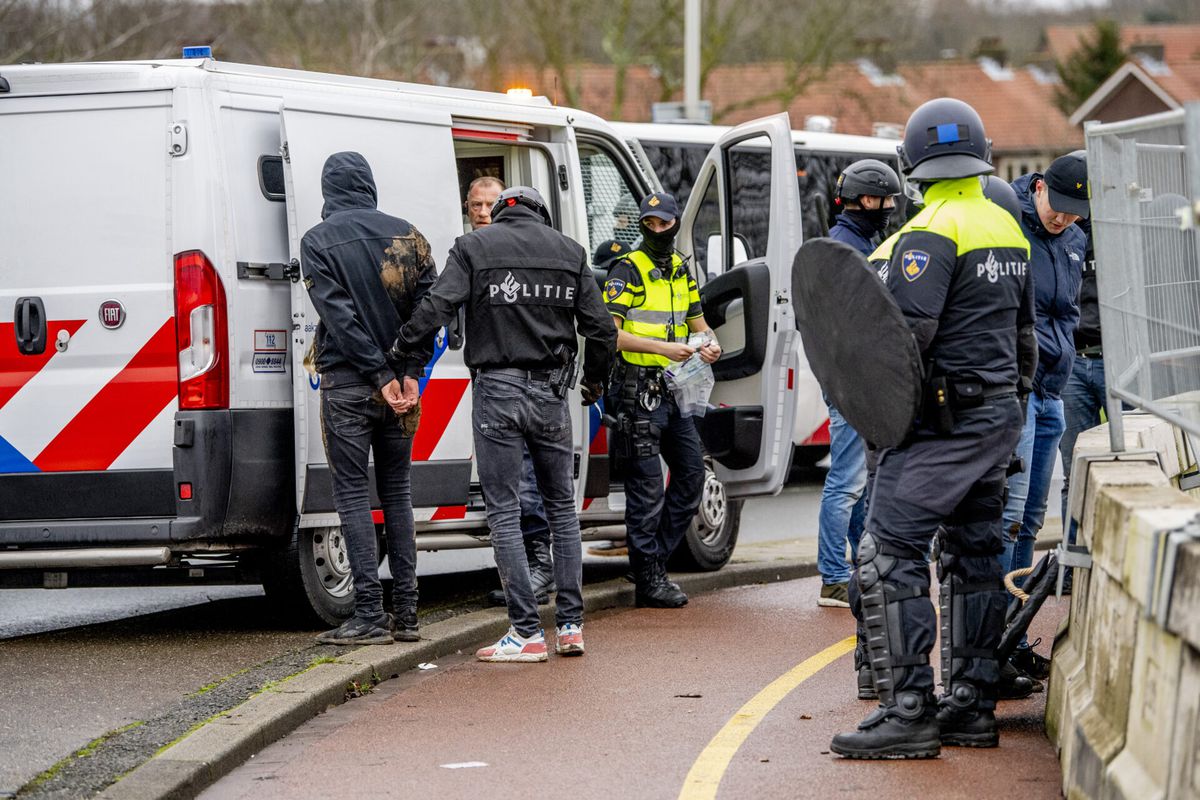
(867, 177)
(943, 140)
(521, 195)
(999, 192)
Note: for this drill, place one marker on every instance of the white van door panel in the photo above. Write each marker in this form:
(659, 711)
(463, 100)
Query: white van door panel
(411, 155)
(747, 301)
(86, 262)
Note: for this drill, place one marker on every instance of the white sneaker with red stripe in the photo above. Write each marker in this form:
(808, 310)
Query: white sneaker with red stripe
(515, 647)
(570, 640)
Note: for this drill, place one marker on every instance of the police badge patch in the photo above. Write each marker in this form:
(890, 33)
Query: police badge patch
(913, 264)
(613, 289)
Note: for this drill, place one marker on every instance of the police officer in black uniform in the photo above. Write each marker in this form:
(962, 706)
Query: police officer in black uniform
(527, 288)
(959, 273)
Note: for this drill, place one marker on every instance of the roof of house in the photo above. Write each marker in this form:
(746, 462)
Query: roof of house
(1017, 104)
(1180, 42)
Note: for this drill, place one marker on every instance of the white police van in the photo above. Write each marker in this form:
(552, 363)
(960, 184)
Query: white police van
(676, 152)
(157, 423)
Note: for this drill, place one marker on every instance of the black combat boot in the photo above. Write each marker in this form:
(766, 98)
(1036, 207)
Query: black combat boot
(651, 591)
(1014, 684)
(665, 578)
(404, 624)
(906, 730)
(962, 722)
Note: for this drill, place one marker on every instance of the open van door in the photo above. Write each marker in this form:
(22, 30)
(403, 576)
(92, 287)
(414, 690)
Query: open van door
(411, 154)
(746, 207)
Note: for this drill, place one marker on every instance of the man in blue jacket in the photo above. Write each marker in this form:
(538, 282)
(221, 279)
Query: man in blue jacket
(1051, 204)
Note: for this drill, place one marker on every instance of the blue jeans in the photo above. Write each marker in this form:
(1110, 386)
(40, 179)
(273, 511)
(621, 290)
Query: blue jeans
(353, 423)
(509, 414)
(1025, 511)
(1083, 398)
(843, 501)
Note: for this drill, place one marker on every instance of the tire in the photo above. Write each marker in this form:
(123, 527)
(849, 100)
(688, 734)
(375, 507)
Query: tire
(308, 580)
(710, 539)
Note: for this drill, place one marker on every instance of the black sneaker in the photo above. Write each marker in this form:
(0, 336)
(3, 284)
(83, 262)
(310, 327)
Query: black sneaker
(1014, 684)
(404, 625)
(358, 631)
(1029, 662)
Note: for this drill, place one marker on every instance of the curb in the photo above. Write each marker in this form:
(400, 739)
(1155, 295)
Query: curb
(184, 769)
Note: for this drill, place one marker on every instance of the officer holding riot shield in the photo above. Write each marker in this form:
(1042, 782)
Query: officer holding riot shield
(957, 273)
(527, 289)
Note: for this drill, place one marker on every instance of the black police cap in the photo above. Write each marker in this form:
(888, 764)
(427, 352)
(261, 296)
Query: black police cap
(661, 205)
(607, 252)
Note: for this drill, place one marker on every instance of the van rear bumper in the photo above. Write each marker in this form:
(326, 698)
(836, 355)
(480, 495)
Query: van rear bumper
(240, 467)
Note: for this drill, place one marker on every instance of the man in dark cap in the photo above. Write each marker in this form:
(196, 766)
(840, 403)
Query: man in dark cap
(1051, 204)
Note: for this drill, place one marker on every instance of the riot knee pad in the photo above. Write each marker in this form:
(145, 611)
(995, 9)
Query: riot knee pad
(884, 621)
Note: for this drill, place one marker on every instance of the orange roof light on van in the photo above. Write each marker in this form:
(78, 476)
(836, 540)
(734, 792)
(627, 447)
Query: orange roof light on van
(520, 93)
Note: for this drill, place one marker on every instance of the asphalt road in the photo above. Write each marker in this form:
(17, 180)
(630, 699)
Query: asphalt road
(79, 663)
(664, 704)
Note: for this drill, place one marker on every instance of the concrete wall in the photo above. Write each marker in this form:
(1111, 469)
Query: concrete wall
(1124, 696)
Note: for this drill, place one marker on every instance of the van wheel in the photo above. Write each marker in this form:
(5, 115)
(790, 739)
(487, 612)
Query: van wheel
(709, 542)
(309, 581)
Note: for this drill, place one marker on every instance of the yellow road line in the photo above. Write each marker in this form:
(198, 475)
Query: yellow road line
(705, 775)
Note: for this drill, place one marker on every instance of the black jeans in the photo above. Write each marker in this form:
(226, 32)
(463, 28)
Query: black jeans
(656, 519)
(510, 413)
(354, 423)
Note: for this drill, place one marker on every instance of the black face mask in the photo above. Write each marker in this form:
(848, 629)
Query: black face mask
(874, 220)
(659, 246)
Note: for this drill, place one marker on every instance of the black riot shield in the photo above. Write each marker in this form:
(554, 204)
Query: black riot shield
(857, 342)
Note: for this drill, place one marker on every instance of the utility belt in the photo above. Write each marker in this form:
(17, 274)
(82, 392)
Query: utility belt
(634, 385)
(636, 388)
(560, 381)
(944, 396)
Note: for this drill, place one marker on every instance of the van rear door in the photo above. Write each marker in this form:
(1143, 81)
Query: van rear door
(742, 227)
(411, 154)
(88, 356)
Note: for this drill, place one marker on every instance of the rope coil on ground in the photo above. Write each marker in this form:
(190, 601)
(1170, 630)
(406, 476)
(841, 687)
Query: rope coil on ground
(1010, 584)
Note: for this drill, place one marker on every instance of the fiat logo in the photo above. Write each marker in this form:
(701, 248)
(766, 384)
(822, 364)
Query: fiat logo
(112, 314)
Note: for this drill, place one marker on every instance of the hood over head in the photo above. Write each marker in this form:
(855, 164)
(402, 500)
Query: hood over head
(347, 183)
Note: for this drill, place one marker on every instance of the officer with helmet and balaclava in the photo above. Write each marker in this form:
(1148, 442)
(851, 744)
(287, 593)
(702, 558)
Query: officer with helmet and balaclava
(958, 272)
(527, 290)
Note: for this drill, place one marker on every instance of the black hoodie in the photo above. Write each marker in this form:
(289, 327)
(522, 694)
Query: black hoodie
(365, 271)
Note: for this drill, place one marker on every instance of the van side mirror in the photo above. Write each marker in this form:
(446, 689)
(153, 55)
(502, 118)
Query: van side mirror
(716, 248)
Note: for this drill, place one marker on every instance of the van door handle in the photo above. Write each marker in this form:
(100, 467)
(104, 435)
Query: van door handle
(29, 319)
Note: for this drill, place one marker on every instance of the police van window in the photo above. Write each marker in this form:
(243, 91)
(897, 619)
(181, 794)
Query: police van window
(706, 226)
(677, 166)
(748, 168)
(612, 207)
(513, 164)
(817, 174)
(270, 178)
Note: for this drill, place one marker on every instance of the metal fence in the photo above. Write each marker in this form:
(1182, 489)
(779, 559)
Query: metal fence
(1145, 179)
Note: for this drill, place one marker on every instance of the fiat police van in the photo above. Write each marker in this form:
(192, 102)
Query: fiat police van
(676, 152)
(157, 421)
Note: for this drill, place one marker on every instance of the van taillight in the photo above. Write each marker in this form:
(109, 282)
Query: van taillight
(201, 333)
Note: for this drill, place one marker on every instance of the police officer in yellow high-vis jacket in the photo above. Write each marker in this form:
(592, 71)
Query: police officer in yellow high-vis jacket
(655, 305)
